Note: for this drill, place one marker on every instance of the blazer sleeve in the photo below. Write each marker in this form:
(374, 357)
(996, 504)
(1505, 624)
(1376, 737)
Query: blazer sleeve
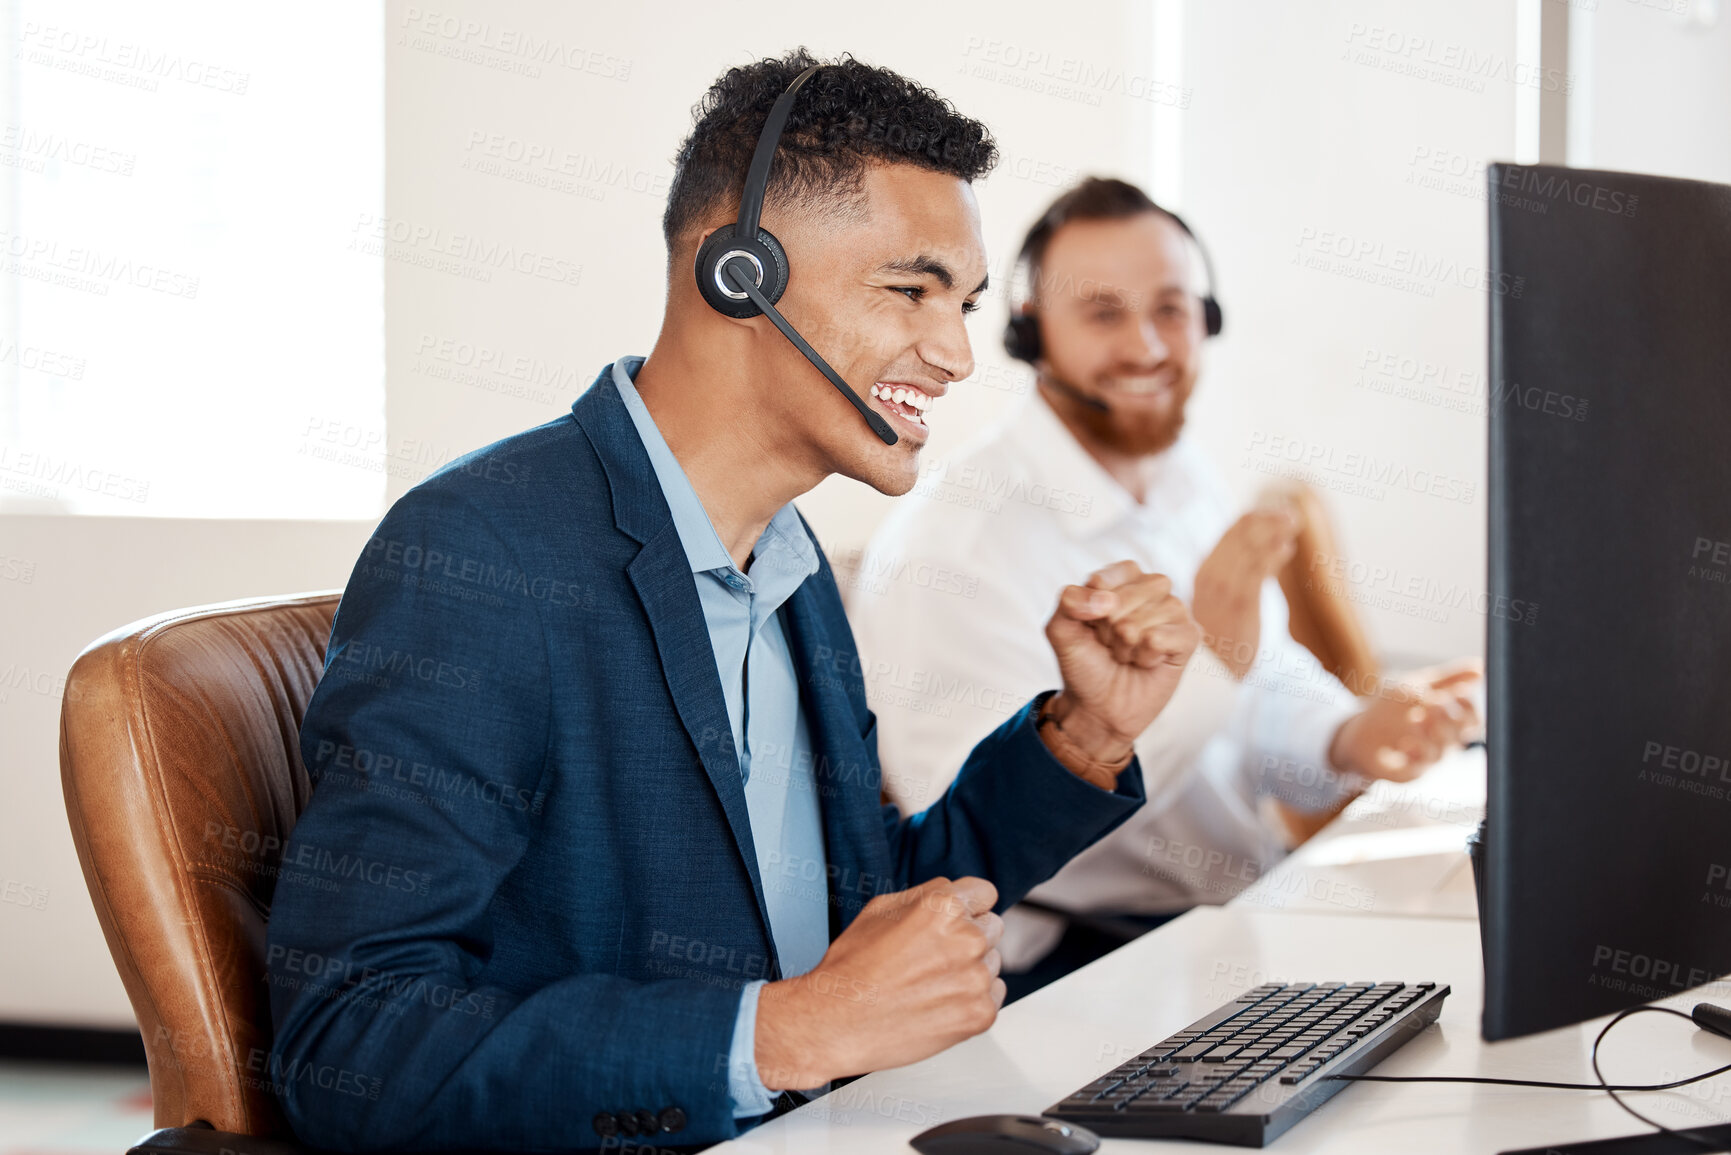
(1013, 815)
(387, 1033)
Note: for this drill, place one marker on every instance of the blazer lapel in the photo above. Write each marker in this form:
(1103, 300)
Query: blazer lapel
(848, 779)
(661, 574)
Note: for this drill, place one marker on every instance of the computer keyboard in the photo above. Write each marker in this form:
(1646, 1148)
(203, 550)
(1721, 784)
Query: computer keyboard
(1249, 1069)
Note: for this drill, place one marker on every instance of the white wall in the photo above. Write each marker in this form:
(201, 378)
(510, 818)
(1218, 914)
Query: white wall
(1658, 91)
(1285, 136)
(1304, 143)
(65, 581)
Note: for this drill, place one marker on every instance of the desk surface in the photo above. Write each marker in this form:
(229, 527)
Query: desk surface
(1059, 1038)
(1397, 850)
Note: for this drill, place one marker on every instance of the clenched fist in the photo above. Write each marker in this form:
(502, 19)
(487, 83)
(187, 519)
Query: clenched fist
(1121, 640)
(915, 973)
(1227, 600)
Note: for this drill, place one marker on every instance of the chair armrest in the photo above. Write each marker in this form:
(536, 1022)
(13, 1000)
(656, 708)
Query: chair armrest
(206, 1141)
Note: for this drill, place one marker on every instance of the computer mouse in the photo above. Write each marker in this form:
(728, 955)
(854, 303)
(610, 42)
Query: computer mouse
(1005, 1135)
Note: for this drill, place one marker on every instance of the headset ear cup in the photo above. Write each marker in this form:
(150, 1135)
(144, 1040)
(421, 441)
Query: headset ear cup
(1022, 337)
(777, 267)
(764, 249)
(1212, 319)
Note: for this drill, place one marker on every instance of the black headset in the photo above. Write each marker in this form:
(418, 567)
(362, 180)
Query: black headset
(742, 269)
(1022, 332)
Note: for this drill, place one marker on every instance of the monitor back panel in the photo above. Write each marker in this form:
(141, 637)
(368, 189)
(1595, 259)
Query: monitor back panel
(1608, 838)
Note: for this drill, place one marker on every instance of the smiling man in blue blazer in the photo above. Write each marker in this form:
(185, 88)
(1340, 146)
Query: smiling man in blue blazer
(593, 722)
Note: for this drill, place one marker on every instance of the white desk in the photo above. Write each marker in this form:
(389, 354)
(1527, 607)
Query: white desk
(1397, 850)
(1059, 1038)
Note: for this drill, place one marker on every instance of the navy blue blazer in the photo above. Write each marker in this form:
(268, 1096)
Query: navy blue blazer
(524, 892)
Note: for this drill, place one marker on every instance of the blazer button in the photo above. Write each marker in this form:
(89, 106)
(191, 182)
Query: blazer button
(647, 1123)
(605, 1125)
(672, 1119)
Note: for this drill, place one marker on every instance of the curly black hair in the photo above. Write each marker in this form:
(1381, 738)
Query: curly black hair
(846, 116)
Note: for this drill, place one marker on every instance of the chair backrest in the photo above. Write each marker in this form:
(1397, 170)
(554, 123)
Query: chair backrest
(1323, 618)
(180, 761)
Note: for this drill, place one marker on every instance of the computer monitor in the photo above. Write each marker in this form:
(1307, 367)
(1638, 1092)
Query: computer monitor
(1606, 872)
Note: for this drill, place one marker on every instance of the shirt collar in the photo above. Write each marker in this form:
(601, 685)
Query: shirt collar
(1088, 500)
(784, 547)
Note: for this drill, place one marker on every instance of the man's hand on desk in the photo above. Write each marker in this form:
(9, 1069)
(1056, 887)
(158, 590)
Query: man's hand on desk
(1227, 599)
(1409, 724)
(1122, 641)
(915, 973)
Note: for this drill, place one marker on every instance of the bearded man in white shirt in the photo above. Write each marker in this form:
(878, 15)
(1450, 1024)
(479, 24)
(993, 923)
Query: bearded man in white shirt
(950, 600)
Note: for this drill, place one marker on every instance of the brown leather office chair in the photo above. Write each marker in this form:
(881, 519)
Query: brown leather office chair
(180, 761)
(1322, 620)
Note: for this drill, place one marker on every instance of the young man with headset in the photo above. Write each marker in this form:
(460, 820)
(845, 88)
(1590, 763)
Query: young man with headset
(660, 885)
(1093, 466)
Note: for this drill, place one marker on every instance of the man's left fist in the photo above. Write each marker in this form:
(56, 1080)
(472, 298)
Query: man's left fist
(1122, 641)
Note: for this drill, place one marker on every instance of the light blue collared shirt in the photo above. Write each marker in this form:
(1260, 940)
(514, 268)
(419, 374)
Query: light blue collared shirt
(761, 687)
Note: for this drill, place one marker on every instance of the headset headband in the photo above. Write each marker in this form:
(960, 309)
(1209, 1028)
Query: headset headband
(1047, 226)
(757, 176)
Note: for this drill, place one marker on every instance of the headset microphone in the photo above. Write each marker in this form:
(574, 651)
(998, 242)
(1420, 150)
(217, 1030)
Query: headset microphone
(1070, 390)
(743, 282)
(742, 269)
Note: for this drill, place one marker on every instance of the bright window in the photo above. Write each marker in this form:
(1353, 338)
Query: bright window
(185, 329)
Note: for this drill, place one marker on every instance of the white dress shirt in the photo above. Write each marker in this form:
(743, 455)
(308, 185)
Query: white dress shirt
(949, 607)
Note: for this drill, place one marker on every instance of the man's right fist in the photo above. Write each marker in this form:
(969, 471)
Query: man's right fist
(915, 973)
(1227, 600)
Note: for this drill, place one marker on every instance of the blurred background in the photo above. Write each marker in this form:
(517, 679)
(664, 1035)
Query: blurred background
(261, 270)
